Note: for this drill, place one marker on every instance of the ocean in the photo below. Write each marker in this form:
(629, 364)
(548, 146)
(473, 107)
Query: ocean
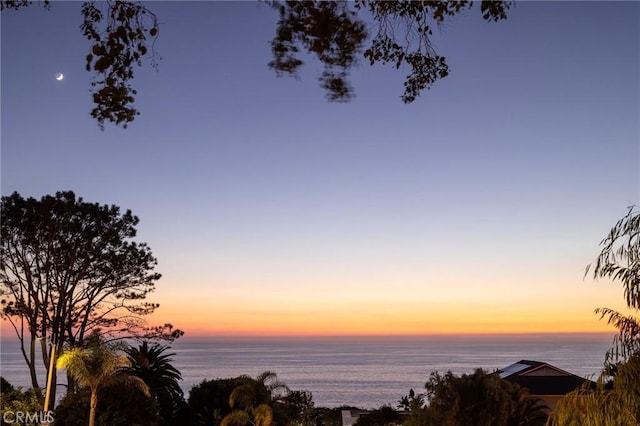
(366, 372)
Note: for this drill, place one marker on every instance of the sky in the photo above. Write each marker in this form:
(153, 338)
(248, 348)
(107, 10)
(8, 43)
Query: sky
(271, 211)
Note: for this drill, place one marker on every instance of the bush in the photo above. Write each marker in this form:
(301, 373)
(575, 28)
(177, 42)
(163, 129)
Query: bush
(13, 400)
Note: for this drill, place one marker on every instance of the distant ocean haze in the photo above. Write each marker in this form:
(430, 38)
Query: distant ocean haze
(362, 371)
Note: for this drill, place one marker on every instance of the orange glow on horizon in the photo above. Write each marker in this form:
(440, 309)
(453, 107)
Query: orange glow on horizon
(343, 325)
(551, 302)
(209, 311)
(225, 321)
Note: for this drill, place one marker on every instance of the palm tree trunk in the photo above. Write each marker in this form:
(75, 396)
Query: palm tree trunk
(94, 405)
(50, 392)
(54, 385)
(32, 362)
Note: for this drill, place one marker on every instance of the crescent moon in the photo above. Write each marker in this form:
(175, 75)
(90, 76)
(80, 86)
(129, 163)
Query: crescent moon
(59, 76)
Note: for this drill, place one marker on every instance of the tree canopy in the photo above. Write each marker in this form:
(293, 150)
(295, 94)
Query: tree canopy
(478, 399)
(69, 268)
(244, 400)
(619, 260)
(617, 404)
(338, 33)
(617, 401)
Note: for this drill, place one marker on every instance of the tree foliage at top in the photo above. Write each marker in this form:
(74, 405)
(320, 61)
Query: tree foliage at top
(17, 4)
(69, 268)
(121, 35)
(338, 33)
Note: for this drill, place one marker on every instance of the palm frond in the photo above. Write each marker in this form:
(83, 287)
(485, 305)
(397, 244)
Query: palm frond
(242, 397)
(263, 415)
(129, 381)
(73, 361)
(236, 418)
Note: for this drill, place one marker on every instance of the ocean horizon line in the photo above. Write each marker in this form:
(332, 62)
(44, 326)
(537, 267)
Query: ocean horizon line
(436, 336)
(525, 336)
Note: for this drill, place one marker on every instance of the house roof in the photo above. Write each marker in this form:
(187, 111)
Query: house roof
(541, 378)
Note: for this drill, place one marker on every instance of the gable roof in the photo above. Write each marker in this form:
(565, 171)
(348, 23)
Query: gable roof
(541, 378)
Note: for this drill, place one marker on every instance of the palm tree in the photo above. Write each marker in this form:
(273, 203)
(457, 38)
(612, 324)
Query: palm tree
(527, 409)
(153, 366)
(262, 415)
(96, 366)
(252, 402)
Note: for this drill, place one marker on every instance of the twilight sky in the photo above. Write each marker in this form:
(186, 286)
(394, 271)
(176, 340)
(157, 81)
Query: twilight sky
(272, 211)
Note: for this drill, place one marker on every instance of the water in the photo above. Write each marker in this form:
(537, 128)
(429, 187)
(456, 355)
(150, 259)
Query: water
(362, 371)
